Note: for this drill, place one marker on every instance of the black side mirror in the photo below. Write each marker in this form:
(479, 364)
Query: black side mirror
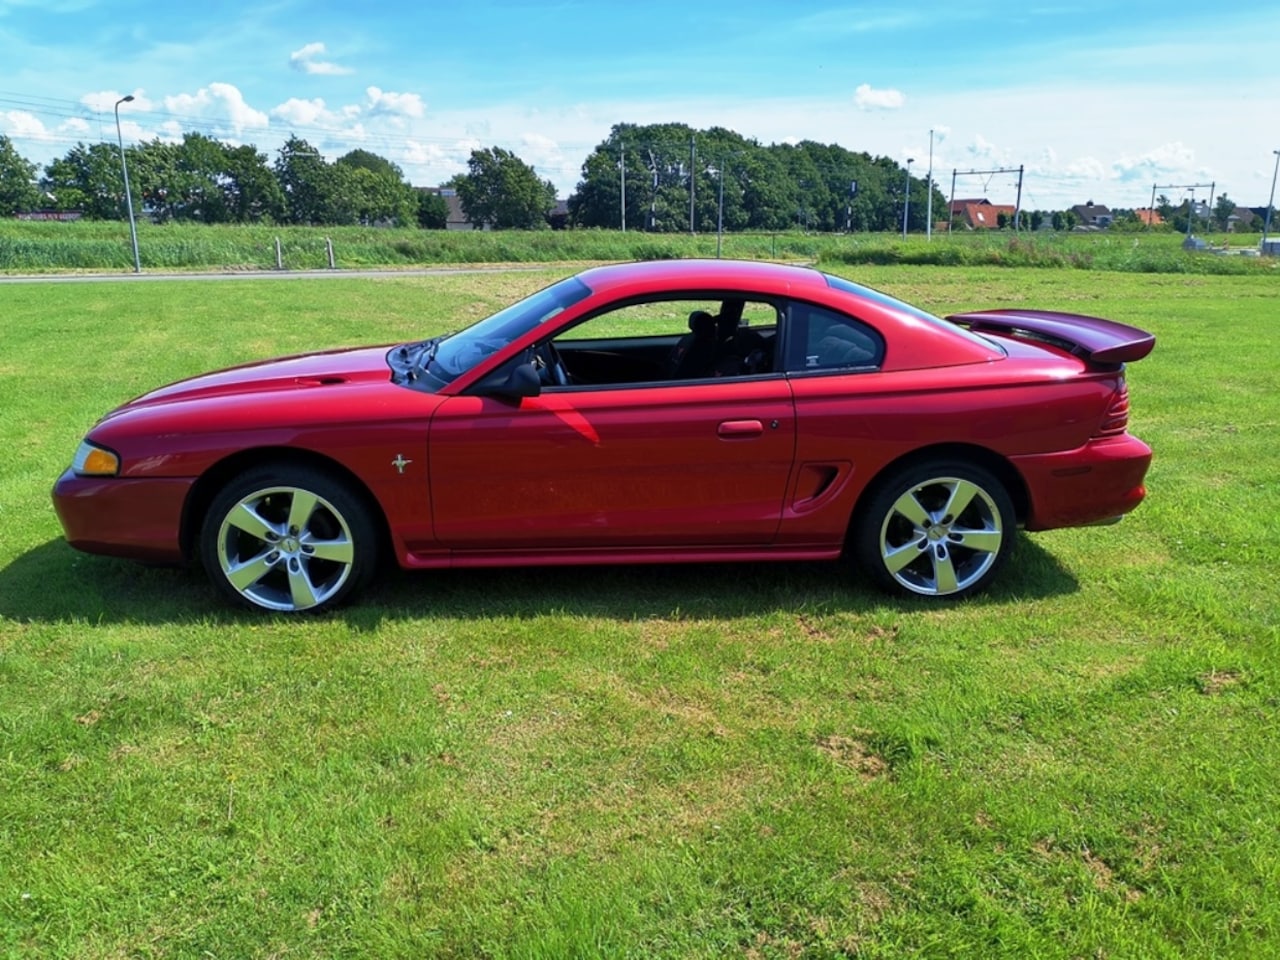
(521, 381)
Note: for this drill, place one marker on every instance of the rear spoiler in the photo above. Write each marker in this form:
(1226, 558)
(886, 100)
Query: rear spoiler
(1094, 339)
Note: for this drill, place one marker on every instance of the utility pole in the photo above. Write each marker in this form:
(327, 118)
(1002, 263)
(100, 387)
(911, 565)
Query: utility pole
(692, 178)
(128, 196)
(653, 193)
(928, 223)
(1266, 223)
(1017, 207)
(622, 165)
(720, 214)
(906, 197)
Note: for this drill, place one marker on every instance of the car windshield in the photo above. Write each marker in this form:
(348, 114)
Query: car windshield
(461, 351)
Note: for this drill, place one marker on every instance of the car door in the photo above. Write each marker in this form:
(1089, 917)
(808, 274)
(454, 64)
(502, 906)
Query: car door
(691, 464)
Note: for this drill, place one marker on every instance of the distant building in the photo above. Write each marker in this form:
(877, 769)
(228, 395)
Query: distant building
(1241, 218)
(1093, 215)
(559, 215)
(1148, 217)
(981, 214)
(1201, 210)
(457, 219)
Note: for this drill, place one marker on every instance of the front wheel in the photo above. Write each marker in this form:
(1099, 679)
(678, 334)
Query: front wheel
(941, 529)
(288, 538)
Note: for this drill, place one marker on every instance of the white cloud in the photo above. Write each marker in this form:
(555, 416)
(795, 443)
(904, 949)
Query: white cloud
(133, 132)
(1085, 169)
(218, 101)
(436, 162)
(423, 154)
(171, 131)
(1170, 159)
(304, 113)
(868, 98)
(540, 151)
(27, 126)
(105, 101)
(73, 125)
(303, 59)
(396, 104)
(982, 152)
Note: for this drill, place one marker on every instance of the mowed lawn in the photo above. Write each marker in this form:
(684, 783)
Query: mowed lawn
(757, 761)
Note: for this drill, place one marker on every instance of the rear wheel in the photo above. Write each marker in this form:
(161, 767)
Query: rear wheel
(938, 529)
(288, 538)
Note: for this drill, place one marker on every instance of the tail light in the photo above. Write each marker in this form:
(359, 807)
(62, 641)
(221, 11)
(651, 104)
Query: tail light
(1116, 420)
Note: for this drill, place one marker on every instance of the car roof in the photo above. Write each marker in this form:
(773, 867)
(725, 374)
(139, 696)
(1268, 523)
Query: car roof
(656, 275)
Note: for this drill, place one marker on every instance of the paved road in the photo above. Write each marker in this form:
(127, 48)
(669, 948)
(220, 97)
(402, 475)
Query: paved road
(266, 274)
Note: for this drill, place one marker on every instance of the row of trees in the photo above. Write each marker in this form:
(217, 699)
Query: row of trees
(660, 177)
(204, 180)
(674, 178)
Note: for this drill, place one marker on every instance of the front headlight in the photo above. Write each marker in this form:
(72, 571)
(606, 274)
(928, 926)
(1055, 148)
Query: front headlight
(95, 461)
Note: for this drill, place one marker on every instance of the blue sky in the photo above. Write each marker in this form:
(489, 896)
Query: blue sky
(1098, 99)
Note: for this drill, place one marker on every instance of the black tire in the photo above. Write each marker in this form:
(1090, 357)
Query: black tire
(910, 538)
(288, 538)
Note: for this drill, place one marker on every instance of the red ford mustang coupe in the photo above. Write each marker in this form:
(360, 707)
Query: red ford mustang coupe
(639, 413)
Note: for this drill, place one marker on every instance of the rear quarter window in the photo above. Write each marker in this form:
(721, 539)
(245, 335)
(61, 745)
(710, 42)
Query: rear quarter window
(824, 340)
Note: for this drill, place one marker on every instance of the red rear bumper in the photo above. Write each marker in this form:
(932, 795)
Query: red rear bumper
(136, 519)
(1101, 481)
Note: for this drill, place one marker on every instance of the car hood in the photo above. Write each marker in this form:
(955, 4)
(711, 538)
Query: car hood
(331, 368)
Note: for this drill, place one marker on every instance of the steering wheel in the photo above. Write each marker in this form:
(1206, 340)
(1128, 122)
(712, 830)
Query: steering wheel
(551, 370)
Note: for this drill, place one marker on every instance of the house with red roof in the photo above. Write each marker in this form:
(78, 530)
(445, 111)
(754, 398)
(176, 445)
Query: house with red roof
(981, 214)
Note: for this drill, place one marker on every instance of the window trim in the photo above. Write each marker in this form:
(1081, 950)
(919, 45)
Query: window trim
(779, 304)
(792, 333)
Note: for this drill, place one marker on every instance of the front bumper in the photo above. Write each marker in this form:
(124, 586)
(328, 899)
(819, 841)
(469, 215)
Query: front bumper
(122, 517)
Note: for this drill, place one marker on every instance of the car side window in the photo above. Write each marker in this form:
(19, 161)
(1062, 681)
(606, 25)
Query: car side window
(823, 340)
(668, 340)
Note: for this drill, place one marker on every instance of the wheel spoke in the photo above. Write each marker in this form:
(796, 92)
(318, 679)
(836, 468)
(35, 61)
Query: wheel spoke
(245, 517)
(944, 572)
(897, 558)
(984, 541)
(300, 509)
(244, 575)
(300, 587)
(339, 551)
(962, 495)
(912, 509)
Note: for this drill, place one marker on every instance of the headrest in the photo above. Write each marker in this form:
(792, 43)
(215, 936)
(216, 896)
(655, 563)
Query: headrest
(702, 324)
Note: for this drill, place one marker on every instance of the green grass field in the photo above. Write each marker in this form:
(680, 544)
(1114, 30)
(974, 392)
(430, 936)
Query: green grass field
(52, 247)
(766, 761)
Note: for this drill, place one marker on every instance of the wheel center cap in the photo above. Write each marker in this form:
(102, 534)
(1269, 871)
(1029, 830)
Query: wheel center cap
(290, 545)
(937, 532)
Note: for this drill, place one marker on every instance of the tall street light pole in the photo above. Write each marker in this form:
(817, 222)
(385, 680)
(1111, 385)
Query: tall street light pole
(1266, 223)
(128, 197)
(906, 197)
(720, 212)
(622, 165)
(928, 217)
